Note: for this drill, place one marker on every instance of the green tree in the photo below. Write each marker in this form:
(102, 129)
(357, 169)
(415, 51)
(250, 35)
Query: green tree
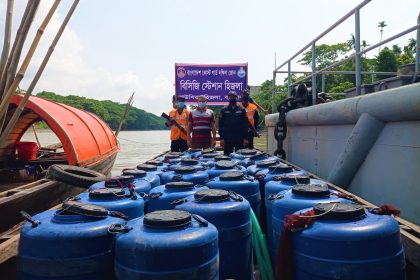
(386, 61)
(381, 26)
(264, 95)
(326, 54)
(396, 49)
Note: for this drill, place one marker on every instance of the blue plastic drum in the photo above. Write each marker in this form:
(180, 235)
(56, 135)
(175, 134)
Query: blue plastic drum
(209, 158)
(193, 153)
(115, 199)
(266, 175)
(69, 243)
(229, 212)
(161, 198)
(253, 160)
(140, 186)
(151, 169)
(284, 203)
(185, 173)
(242, 184)
(346, 242)
(141, 175)
(287, 181)
(189, 162)
(168, 244)
(260, 165)
(223, 166)
(244, 154)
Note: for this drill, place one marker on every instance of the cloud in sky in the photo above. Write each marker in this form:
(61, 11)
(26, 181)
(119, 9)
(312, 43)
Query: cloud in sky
(68, 73)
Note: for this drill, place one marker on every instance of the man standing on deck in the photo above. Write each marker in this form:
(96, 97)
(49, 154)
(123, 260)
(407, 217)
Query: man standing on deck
(202, 125)
(233, 126)
(253, 118)
(180, 115)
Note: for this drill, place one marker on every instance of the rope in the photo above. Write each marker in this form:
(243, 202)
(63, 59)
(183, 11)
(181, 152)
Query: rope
(130, 140)
(320, 215)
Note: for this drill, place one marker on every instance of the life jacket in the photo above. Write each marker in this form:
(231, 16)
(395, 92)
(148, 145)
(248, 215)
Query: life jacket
(182, 120)
(250, 111)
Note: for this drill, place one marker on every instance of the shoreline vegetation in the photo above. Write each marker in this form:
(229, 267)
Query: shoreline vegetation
(109, 111)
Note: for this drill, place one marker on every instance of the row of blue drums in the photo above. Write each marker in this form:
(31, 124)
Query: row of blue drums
(188, 216)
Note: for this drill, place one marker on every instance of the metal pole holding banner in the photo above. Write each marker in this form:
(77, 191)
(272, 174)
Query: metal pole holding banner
(358, 64)
(289, 79)
(314, 96)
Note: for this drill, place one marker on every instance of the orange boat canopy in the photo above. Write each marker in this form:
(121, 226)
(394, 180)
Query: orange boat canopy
(85, 137)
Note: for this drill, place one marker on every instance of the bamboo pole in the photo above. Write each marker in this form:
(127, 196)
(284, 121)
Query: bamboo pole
(36, 135)
(7, 36)
(20, 38)
(38, 74)
(12, 89)
(16, 58)
(129, 103)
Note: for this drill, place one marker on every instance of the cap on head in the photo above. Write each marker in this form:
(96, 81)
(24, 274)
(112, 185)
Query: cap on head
(245, 92)
(180, 98)
(232, 93)
(202, 98)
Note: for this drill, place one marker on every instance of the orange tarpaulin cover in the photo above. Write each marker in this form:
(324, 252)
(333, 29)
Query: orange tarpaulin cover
(85, 137)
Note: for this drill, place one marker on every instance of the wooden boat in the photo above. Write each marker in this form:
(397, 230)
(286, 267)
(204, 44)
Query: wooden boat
(86, 142)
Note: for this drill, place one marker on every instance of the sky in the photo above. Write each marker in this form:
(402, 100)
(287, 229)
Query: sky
(111, 48)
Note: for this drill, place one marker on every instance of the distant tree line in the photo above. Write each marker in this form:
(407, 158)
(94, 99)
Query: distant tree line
(110, 112)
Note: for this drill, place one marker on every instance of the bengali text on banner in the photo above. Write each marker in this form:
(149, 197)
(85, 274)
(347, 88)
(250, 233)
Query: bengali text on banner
(214, 81)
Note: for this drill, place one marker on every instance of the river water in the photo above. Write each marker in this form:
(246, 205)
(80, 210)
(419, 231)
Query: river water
(136, 146)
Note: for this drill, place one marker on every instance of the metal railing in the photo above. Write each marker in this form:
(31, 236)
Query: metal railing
(356, 55)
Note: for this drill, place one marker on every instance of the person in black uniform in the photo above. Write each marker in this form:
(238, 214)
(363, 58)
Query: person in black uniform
(233, 125)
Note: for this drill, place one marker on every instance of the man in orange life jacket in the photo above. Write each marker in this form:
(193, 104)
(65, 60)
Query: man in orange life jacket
(180, 115)
(253, 117)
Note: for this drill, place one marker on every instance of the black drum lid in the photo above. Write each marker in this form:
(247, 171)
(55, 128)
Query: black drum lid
(185, 169)
(189, 161)
(84, 209)
(284, 168)
(167, 219)
(211, 195)
(231, 176)
(137, 173)
(107, 193)
(292, 178)
(310, 190)
(339, 211)
(147, 167)
(266, 163)
(179, 185)
(247, 152)
(225, 164)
